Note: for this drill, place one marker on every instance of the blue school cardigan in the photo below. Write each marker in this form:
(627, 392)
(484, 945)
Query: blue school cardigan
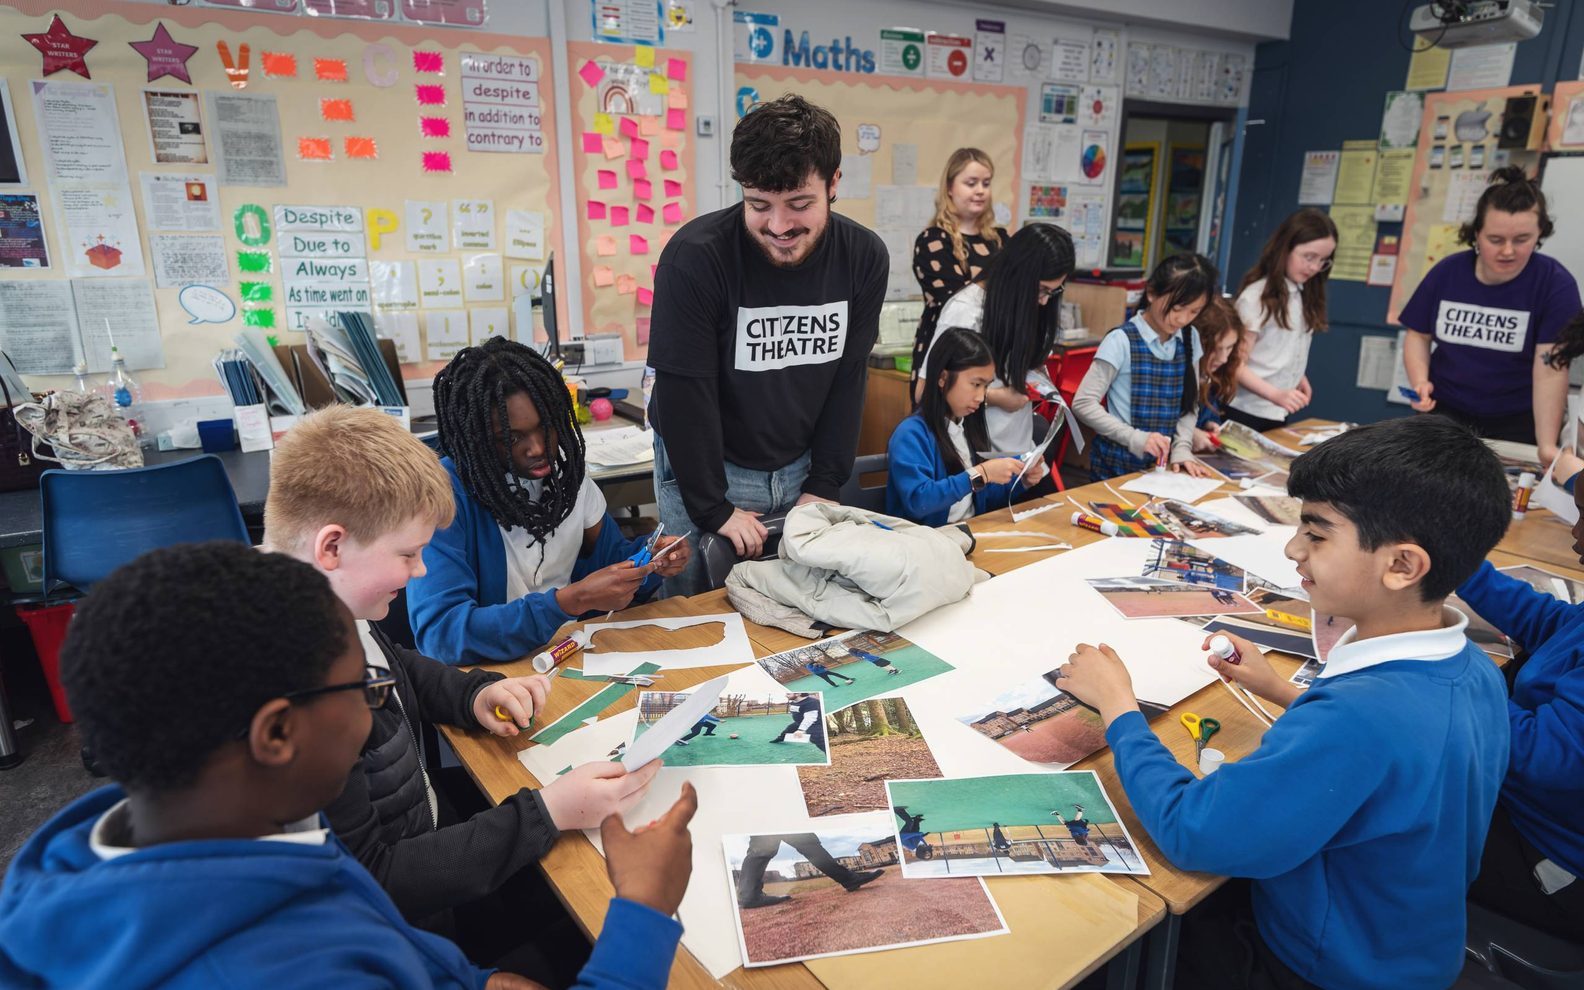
(917, 484)
(459, 611)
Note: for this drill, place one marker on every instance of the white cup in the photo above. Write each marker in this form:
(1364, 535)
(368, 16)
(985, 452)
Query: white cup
(1210, 761)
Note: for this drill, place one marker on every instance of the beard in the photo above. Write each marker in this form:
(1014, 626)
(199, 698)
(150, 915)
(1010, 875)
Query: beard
(769, 253)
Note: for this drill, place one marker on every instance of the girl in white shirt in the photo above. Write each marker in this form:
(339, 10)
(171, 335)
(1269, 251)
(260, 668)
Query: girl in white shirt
(1282, 303)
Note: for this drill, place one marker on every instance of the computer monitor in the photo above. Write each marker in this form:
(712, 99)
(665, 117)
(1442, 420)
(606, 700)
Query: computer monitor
(548, 303)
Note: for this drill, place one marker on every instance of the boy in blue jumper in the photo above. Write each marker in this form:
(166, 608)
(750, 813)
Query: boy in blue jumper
(1361, 816)
(532, 546)
(225, 690)
(1535, 850)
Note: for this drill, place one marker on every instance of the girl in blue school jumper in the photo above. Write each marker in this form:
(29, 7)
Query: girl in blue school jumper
(936, 475)
(532, 545)
(1144, 373)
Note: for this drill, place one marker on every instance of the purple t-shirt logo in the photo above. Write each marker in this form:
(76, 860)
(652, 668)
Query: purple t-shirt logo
(1482, 326)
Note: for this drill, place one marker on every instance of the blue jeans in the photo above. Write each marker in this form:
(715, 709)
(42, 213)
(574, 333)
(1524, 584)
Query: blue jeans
(754, 491)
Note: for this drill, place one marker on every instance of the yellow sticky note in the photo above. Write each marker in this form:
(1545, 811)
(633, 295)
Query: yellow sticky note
(604, 123)
(603, 276)
(643, 56)
(677, 99)
(605, 246)
(658, 84)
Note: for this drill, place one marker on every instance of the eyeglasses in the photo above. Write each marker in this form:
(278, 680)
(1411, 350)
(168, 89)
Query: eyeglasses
(375, 685)
(1315, 261)
(1045, 295)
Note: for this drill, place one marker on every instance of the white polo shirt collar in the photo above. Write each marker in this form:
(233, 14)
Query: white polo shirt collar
(1349, 656)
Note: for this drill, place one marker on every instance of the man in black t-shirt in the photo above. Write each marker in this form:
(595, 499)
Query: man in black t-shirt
(764, 315)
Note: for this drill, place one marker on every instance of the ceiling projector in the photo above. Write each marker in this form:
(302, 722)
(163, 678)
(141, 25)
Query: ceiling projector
(1465, 23)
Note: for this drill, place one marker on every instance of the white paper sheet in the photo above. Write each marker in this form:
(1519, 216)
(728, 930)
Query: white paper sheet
(673, 725)
(122, 308)
(1263, 555)
(38, 326)
(620, 446)
(1170, 484)
(180, 202)
(80, 132)
(734, 646)
(247, 139)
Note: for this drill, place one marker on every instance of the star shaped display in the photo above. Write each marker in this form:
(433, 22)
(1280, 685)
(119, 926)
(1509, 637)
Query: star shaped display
(166, 56)
(61, 49)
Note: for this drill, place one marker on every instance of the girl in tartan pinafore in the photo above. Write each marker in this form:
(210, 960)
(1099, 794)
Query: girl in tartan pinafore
(1157, 405)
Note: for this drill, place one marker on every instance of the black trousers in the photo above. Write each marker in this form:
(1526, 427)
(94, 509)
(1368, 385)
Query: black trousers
(1221, 949)
(1518, 427)
(826, 677)
(1506, 884)
(1257, 423)
(762, 848)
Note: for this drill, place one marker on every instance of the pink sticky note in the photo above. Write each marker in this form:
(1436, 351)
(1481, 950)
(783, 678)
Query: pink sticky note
(668, 160)
(642, 189)
(637, 169)
(677, 99)
(591, 142)
(676, 68)
(612, 147)
(437, 161)
(591, 73)
(430, 62)
(603, 275)
(430, 96)
(649, 125)
(653, 267)
(673, 188)
(639, 149)
(605, 246)
(645, 213)
(641, 325)
(637, 244)
(629, 127)
(435, 127)
(619, 215)
(596, 210)
(676, 120)
(645, 296)
(607, 179)
(626, 284)
(672, 213)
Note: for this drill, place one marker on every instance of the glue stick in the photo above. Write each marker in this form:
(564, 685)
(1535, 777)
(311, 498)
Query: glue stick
(1223, 648)
(1095, 524)
(1526, 487)
(552, 658)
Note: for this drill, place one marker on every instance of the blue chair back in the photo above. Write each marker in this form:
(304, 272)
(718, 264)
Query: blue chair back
(95, 521)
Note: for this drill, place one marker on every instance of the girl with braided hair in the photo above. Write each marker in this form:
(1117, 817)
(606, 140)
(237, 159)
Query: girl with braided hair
(532, 545)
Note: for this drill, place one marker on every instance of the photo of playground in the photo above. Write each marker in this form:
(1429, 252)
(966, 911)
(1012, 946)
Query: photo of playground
(870, 742)
(854, 667)
(837, 891)
(1009, 824)
(743, 730)
(1173, 560)
(1154, 598)
(1042, 723)
(1281, 510)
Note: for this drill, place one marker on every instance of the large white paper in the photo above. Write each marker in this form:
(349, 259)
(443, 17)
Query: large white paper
(247, 139)
(38, 326)
(1263, 554)
(122, 310)
(620, 446)
(733, 647)
(79, 131)
(1170, 484)
(673, 725)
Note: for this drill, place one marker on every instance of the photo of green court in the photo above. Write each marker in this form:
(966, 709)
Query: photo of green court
(854, 667)
(743, 730)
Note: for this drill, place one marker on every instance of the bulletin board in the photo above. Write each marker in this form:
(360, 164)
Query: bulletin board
(897, 134)
(1563, 97)
(375, 119)
(1453, 125)
(633, 171)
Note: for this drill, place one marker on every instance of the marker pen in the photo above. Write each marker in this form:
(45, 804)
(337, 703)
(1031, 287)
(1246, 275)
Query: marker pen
(1095, 524)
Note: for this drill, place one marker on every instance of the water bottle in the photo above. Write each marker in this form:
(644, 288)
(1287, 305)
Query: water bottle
(126, 395)
(83, 385)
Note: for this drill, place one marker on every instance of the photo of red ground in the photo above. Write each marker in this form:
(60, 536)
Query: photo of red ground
(1063, 739)
(859, 768)
(822, 918)
(1171, 603)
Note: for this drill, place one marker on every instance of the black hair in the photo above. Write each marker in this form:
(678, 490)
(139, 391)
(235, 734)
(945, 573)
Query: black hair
(1182, 280)
(955, 350)
(470, 397)
(1511, 191)
(1569, 343)
(1420, 479)
(776, 144)
(171, 655)
(1019, 328)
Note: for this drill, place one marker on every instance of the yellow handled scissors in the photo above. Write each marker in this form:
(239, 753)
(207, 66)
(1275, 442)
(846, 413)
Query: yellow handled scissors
(1200, 729)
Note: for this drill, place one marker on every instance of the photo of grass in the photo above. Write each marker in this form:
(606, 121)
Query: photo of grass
(803, 895)
(1154, 598)
(1041, 723)
(1173, 560)
(742, 730)
(854, 667)
(869, 743)
(1008, 824)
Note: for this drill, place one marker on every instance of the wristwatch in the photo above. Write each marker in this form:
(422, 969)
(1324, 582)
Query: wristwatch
(977, 477)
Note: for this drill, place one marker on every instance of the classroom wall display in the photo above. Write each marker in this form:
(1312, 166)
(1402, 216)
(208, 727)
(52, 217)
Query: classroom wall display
(633, 168)
(310, 163)
(1135, 206)
(1457, 130)
(896, 136)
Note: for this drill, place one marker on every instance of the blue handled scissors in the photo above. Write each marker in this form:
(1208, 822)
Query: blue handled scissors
(646, 552)
(1201, 729)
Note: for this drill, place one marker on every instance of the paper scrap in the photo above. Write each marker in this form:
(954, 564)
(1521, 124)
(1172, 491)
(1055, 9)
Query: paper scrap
(330, 69)
(650, 746)
(1170, 484)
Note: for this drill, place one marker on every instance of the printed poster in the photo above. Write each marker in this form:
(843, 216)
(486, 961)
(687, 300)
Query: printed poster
(79, 131)
(22, 242)
(175, 124)
(180, 202)
(247, 139)
(990, 50)
(500, 103)
(100, 231)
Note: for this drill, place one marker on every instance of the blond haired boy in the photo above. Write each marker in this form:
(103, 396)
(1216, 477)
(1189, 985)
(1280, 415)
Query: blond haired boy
(357, 496)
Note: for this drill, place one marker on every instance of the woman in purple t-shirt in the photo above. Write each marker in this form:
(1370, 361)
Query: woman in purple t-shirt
(1494, 313)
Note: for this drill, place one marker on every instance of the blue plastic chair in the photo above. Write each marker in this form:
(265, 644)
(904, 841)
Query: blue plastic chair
(95, 521)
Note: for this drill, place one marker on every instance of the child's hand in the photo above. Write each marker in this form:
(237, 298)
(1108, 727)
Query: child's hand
(1201, 441)
(587, 795)
(1097, 677)
(1193, 469)
(518, 697)
(672, 564)
(1036, 473)
(1000, 470)
(651, 866)
(1291, 400)
(1157, 446)
(1254, 672)
(502, 980)
(606, 590)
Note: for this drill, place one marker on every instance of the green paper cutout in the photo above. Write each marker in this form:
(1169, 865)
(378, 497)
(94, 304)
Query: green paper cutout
(258, 213)
(573, 720)
(259, 317)
(274, 341)
(257, 291)
(255, 261)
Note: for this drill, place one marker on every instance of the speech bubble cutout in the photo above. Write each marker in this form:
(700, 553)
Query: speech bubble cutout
(868, 138)
(206, 304)
(380, 222)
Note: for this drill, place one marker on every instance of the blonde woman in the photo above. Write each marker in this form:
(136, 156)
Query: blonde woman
(955, 248)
